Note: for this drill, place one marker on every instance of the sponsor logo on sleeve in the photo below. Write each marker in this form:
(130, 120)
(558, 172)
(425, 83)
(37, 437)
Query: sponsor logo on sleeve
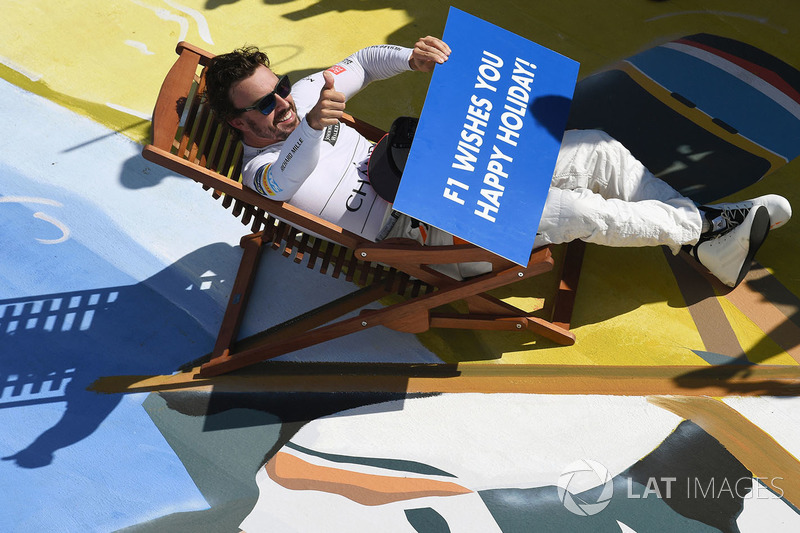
(264, 183)
(272, 183)
(337, 69)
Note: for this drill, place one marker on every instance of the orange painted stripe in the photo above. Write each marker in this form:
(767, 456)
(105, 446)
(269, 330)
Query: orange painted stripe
(294, 473)
(758, 451)
(624, 380)
(424, 232)
(764, 314)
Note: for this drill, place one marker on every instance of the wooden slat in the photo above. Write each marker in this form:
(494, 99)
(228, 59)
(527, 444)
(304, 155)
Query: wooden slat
(314, 252)
(214, 151)
(326, 257)
(269, 229)
(414, 253)
(352, 264)
(237, 303)
(203, 123)
(339, 256)
(228, 153)
(301, 248)
(280, 235)
(259, 220)
(364, 269)
(227, 201)
(235, 172)
(291, 241)
(247, 216)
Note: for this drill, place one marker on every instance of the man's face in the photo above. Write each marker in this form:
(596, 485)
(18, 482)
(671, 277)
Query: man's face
(259, 129)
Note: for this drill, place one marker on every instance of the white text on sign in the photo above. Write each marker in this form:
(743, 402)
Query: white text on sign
(509, 130)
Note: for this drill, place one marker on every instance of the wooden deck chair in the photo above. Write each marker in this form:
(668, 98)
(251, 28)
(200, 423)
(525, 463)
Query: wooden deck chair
(187, 139)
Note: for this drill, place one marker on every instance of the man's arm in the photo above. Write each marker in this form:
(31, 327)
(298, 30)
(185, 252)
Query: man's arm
(373, 63)
(300, 152)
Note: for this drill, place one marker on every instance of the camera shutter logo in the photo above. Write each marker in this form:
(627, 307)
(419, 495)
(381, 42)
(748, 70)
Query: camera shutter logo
(579, 477)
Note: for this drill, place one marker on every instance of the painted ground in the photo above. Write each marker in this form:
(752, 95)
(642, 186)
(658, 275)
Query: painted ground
(676, 409)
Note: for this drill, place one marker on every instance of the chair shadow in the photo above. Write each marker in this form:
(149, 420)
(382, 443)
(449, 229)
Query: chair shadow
(55, 346)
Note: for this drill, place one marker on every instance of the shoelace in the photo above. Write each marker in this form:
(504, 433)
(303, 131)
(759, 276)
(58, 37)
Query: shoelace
(724, 220)
(735, 216)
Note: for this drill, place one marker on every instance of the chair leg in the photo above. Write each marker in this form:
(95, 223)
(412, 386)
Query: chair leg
(297, 333)
(568, 285)
(412, 316)
(237, 303)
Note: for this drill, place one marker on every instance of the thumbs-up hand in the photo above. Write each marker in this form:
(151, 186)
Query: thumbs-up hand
(329, 107)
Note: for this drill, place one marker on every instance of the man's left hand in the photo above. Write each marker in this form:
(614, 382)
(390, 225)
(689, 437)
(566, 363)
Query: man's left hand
(428, 52)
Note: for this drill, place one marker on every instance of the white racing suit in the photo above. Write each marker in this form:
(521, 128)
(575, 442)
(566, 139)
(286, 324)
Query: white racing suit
(600, 193)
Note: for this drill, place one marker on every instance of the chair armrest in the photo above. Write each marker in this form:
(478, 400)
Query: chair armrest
(370, 132)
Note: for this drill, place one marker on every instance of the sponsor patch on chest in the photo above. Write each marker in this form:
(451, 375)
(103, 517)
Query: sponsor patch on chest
(332, 134)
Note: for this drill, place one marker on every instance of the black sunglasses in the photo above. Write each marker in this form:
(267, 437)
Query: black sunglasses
(267, 104)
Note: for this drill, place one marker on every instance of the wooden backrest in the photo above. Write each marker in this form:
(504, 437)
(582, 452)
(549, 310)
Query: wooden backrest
(189, 140)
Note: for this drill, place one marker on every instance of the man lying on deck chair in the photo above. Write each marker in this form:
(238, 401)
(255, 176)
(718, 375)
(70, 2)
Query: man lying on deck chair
(295, 149)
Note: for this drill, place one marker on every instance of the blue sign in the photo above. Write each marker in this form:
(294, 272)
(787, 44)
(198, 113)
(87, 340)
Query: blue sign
(486, 145)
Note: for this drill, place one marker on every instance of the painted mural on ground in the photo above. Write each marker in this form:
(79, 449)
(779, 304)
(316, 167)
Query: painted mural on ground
(104, 275)
(504, 462)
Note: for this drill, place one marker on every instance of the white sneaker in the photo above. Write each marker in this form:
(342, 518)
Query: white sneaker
(725, 217)
(729, 255)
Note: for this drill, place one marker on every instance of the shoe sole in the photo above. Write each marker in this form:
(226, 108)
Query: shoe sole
(758, 234)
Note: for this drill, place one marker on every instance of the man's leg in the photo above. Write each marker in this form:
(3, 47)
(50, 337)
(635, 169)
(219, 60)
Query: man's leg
(600, 193)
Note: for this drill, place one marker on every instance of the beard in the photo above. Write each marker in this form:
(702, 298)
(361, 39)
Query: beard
(274, 132)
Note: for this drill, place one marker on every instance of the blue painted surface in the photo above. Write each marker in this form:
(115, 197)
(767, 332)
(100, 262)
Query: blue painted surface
(724, 96)
(114, 267)
(82, 297)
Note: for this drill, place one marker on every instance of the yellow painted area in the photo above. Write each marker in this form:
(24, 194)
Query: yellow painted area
(117, 51)
(105, 54)
(629, 311)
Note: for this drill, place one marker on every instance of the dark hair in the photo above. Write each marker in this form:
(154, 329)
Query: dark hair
(226, 69)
